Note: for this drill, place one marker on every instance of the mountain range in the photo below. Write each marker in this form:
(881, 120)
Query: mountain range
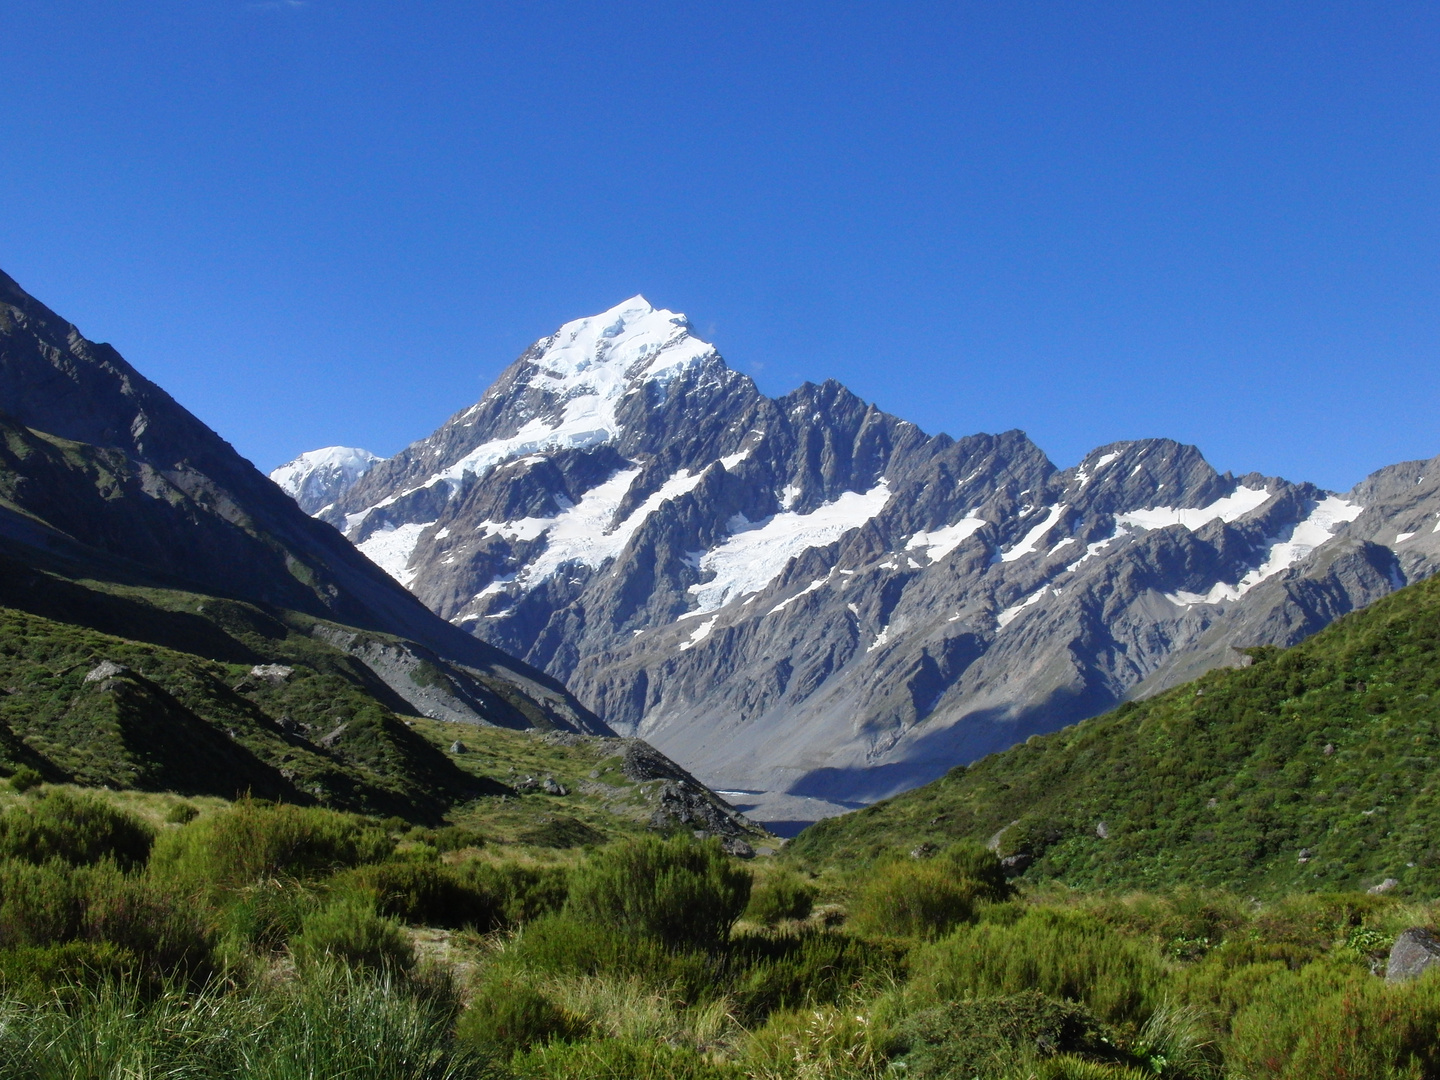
(813, 604)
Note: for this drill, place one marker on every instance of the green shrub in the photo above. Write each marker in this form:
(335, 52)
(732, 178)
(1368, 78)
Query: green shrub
(25, 779)
(182, 813)
(806, 970)
(1062, 954)
(620, 1059)
(80, 829)
(677, 892)
(832, 1042)
(158, 926)
(427, 894)
(39, 905)
(509, 1014)
(1184, 925)
(265, 916)
(966, 1038)
(349, 930)
(973, 862)
(253, 840)
(456, 838)
(35, 973)
(53, 904)
(564, 945)
(522, 892)
(1337, 1021)
(781, 896)
(913, 899)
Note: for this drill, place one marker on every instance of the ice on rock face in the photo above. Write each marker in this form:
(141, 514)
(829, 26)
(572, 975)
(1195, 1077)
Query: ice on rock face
(344, 464)
(1305, 536)
(390, 549)
(756, 553)
(1231, 508)
(1034, 536)
(1010, 614)
(587, 367)
(937, 543)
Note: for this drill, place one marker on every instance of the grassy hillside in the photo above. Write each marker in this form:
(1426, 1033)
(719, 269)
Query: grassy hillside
(1313, 768)
(186, 715)
(97, 710)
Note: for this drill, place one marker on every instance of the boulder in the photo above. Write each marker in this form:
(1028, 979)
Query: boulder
(106, 669)
(275, 674)
(1414, 950)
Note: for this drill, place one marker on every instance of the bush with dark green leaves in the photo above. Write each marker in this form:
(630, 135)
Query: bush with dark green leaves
(677, 892)
(815, 967)
(55, 904)
(565, 945)
(966, 1038)
(509, 1014)
(427, 894)
(524, 892)
(913, 898)
(979, 867)
(77, 829)
(182, 813)
(25, 779)
(349, 930)
(40, 972)
(253, 840)
(782, 896)
(1066, 955)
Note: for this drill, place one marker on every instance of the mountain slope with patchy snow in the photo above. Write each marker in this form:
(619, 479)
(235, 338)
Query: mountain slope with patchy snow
(808, 598)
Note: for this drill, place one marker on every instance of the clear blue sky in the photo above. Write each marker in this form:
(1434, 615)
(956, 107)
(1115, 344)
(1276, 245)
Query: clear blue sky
(335, 221)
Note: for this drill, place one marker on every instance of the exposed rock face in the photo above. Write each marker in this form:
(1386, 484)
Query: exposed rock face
(104, 475)
(805, 595)
(1414, 950)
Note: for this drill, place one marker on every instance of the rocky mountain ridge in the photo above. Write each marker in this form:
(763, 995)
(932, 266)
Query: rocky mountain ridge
(107, 483)
(815, 604)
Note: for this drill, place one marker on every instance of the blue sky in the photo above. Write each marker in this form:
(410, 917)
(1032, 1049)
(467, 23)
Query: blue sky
(336, 221)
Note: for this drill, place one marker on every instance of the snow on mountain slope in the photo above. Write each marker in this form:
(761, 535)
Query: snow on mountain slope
(317, 478)
(807, 597)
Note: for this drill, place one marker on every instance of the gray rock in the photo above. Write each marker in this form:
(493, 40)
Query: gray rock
(106, 669)
(1414, 950)
(552, 787)
(275, 674)
(1017, 864)
(458, 747)
(1384, 886)
(1102, 830)
(733, 845)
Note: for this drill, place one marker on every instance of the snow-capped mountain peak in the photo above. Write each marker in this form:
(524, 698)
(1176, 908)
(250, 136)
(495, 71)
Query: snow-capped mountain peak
(317, 478)
(631, 340)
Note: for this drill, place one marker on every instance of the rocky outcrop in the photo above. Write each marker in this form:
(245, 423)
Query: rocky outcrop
(1414, 951)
